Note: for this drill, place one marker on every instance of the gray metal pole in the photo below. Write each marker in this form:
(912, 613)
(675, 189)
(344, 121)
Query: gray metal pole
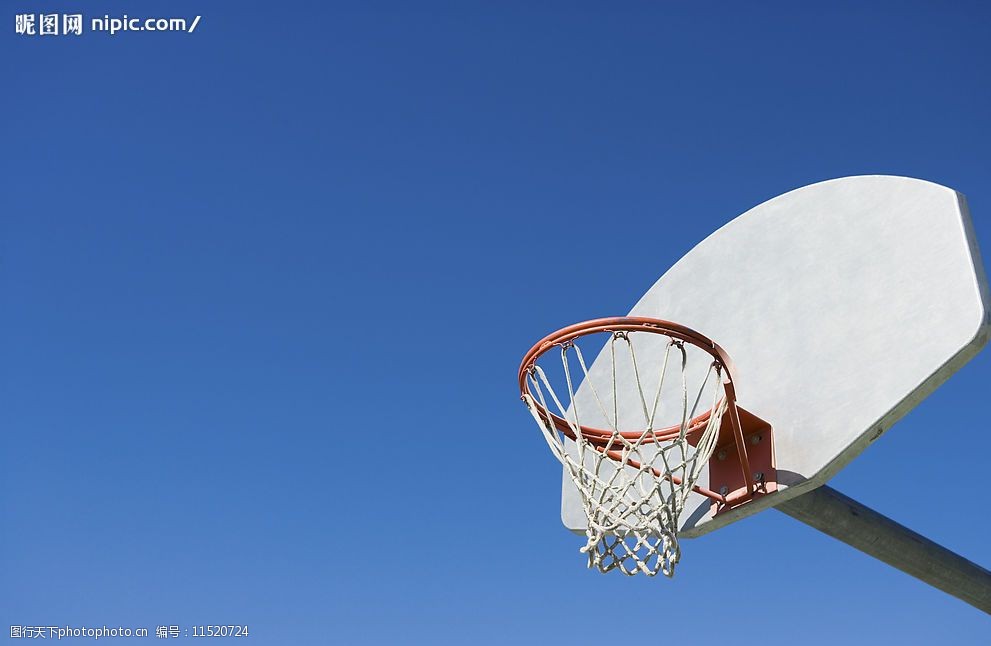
(845, 519)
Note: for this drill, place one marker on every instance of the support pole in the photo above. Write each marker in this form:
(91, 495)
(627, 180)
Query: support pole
(845, 519)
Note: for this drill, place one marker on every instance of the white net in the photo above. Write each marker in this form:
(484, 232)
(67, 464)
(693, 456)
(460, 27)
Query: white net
(633, 483)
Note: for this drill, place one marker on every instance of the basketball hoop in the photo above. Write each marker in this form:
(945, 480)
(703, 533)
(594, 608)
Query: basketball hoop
(635, 465)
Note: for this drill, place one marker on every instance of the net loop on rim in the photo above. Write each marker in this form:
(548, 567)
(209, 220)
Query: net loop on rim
(633, 484)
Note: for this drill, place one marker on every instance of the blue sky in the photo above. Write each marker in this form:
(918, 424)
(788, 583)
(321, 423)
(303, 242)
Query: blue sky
(265, 288)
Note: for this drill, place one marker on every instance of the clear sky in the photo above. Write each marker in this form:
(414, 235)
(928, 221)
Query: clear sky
(265, 288)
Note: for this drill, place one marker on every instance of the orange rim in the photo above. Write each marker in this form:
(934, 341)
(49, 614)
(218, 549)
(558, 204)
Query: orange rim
(601, 438)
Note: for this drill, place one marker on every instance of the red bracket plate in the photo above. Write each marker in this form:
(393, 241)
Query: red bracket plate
(725, 472)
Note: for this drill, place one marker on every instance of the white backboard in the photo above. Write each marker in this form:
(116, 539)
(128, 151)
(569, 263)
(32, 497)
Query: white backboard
(842, 304)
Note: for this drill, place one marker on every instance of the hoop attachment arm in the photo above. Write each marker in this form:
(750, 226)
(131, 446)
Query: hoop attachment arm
(726, 470)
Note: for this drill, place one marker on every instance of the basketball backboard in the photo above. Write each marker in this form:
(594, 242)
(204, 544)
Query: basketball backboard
(842, 304)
